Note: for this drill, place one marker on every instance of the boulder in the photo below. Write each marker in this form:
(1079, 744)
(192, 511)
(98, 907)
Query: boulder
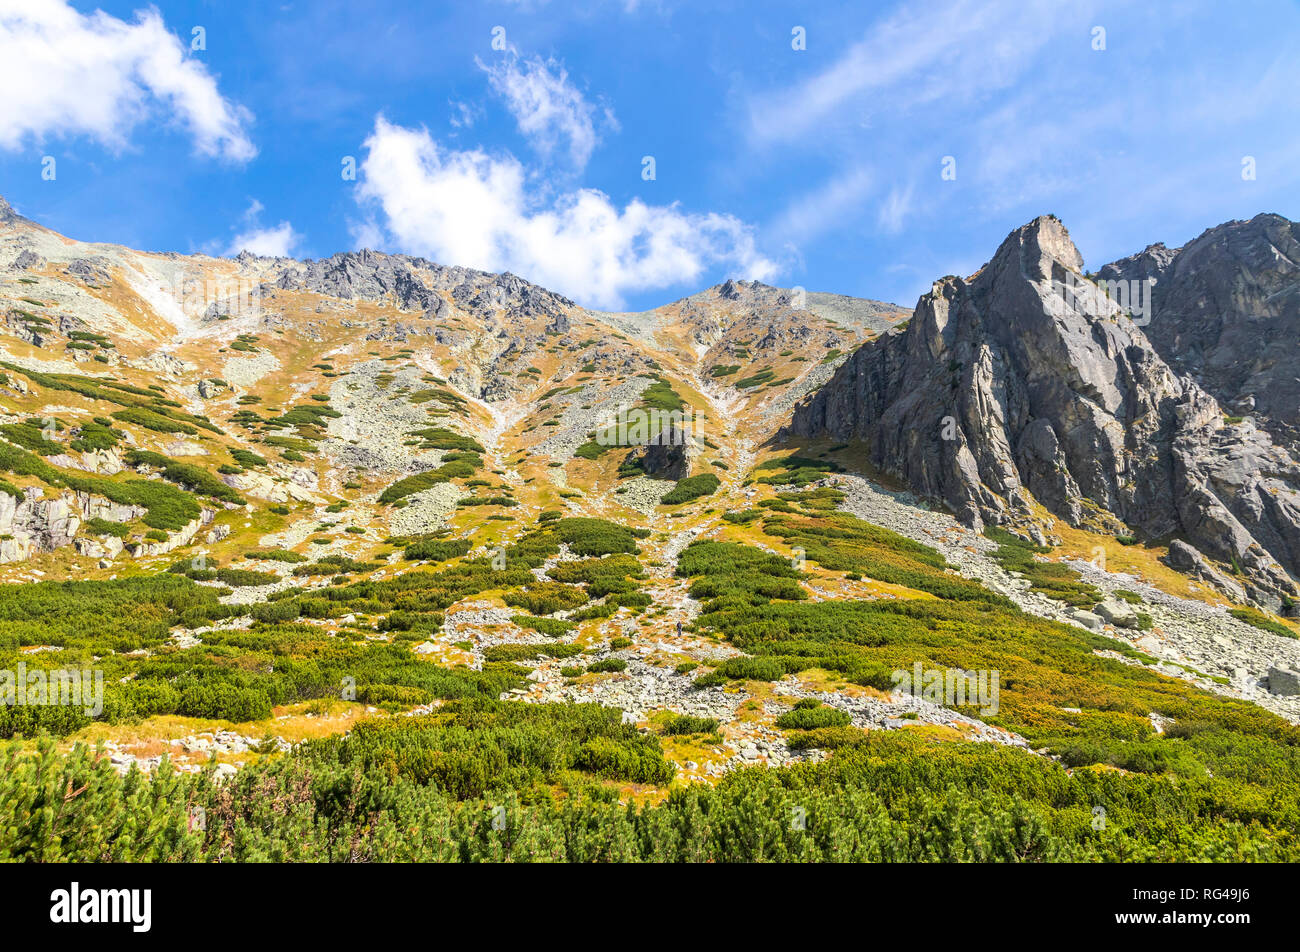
(1117, 613)
(1087, 619)
(669, 455)
(1284, 682)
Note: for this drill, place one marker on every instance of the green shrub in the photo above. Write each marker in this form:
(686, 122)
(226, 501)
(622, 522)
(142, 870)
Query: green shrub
(1253, 616)
(680, 724)
(436, 550)
(808, 718)
(104, 527)
(1046, 578)
(692, 487)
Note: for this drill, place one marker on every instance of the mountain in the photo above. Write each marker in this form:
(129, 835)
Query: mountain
(449, 535)
(1227, 312)
(1026, 385)
(327, 370)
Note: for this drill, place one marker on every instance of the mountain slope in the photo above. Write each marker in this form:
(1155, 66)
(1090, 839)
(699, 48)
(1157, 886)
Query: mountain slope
(336, 379)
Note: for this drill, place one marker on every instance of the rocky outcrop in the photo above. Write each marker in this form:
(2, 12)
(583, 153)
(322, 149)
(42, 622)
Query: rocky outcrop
(1227, 312)
(507, 292)
(413, 284)
(100, 462)
(268, 487)
(99, 547)
(7, 214)
(367, 275)
(27, 260)
(1028, 383)
(1148, 264)
(161, 362)
(33, 524)
(93, 271)
(183, 536)
(36, 524)
(1186, 559)
(669, 455)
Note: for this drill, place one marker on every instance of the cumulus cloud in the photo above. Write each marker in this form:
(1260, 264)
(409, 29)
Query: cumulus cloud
(549, 110)
(278, 241)
(468, 208)
(65, 73)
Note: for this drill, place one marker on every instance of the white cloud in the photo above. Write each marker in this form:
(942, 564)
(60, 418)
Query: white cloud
(278, 241)
(64, 73)
(549, 110)
(898, 203)
(468, 208)
(464, 114)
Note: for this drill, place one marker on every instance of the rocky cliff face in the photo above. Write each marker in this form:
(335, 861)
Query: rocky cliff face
(1024, 383)
(1227, 312)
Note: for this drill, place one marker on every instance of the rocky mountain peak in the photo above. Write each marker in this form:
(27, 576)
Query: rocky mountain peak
(1044, 242)
(1227, 311)
(748, 292)
(7, 214)
(1026, 383)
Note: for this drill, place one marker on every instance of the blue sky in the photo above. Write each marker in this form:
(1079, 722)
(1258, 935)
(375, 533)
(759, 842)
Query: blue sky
(821, 167)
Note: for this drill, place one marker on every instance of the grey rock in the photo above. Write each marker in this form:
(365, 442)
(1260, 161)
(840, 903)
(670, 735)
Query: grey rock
(1087, 619)
(209, 388)
(27, 259)
(90, 270)
(35, 524)
(7, 214)
(438, 309)
(669, 455)
(1150, 263)
(1116, 613)
(1227, 311)
(412, 284)
(1185, 558)
(1284, 682)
